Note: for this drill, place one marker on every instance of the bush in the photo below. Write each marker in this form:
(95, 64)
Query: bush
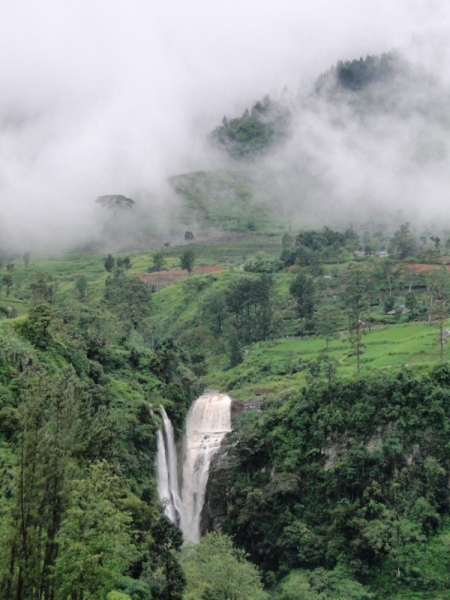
(117, 596)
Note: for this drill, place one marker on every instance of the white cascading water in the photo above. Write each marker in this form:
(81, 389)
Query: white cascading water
(163, 478)
(166, 460)
(207, 423)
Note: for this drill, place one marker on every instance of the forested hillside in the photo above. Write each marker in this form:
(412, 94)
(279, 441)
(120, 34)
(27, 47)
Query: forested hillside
(345, 480)
(255, 132)
(269, 122)
(79, 392)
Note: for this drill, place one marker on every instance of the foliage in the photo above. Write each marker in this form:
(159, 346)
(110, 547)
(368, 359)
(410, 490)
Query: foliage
(356, 75)
(81, 286)
(78, 440)
(187, 260)
(168, 540)
(38, 325)
(95, 539)
(109, 263)
(439, 293)
(327, 322)
(388, 303)
(48, 427)
(124, 263)
(117, 596)
(357, 303)
(287, 240)
(42, 288)
(313, 247)
(357, 478)
(159, 261)
(249, 303)
(260, 264)
(215, 570)
(321, 584)
(235, 349)
(316, 240)
(7, 282)
(411, 301)
(135, 589)
(254, 133)
(403, 243)
(303, 290)
(129, 297)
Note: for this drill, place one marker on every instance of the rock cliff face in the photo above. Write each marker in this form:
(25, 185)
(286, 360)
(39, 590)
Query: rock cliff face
(217, 498)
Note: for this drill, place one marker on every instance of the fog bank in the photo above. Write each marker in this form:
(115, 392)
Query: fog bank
(114, 97)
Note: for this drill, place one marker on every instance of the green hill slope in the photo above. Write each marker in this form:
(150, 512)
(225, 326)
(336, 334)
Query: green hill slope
(227, 200)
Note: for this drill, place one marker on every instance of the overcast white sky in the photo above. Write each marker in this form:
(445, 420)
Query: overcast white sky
(112, 96)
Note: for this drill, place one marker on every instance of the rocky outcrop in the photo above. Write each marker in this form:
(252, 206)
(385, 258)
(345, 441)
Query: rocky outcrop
(217, 497)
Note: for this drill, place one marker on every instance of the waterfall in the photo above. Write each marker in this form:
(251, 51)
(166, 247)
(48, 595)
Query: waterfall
(207, 422)
(166, 469)
(162, 471)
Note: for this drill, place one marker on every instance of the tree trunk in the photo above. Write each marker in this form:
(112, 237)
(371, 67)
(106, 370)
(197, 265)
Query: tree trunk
(357, 343)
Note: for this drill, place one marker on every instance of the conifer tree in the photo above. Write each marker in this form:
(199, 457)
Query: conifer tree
(356, 301)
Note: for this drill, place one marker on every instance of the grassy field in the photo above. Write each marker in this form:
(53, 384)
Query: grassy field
(282, 364)
(230, 250)
(226, 199)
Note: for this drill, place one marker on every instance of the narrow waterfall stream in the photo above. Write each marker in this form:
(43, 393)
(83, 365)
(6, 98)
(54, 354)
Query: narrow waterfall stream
(163, 478)
(207, 423)
(167, 471)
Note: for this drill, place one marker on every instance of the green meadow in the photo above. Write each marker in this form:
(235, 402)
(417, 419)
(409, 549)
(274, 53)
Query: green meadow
(283, 364)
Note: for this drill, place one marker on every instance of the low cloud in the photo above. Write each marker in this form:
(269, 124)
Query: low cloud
(381, 153)
(114, 97)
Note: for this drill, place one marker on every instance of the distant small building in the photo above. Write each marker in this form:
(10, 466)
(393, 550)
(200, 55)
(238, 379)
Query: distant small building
(445, 334)
(382, 253)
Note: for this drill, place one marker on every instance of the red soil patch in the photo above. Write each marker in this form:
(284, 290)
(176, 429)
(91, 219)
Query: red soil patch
(423, 268)
(164, 278)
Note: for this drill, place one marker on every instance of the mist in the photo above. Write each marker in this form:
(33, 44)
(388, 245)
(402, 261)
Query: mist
(115, 97)
(382, 153)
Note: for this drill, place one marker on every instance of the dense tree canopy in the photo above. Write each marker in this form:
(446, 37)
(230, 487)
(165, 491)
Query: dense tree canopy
(216, 570)
(78, 441)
